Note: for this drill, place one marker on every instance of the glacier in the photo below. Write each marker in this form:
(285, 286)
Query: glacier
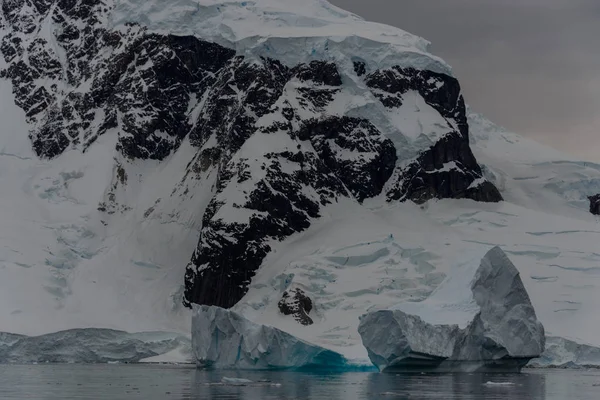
(502, 332)
(124, 166)
(224, 339)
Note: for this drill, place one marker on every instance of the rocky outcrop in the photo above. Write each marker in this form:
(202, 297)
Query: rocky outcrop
(448, 169)
(502, 333)
(296, 303)
(137, 83)
(595, 204)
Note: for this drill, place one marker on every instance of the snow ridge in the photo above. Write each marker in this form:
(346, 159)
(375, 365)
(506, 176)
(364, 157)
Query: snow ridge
(290, 31)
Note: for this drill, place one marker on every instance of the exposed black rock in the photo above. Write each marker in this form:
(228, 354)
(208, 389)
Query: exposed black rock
(140, 83)
(298, 304)
(319, 72)
(241, 93)
(448, 169)
(374, 156)
(442, 92)
(360, 68)
(595, 204)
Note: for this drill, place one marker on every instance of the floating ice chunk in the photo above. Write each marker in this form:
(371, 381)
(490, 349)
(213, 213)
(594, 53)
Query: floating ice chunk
(490, 383)
(503, 332)
(236, 381)
(224, 339)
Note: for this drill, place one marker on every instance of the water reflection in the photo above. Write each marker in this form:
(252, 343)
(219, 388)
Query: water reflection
(351, 386)
(269, 385)
(68, 382)
(458, 386)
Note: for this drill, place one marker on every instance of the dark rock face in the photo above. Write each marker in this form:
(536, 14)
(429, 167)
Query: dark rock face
(271, 135)
(360, 68)
(448, 169)
(297, 304)
(138, 83)
(595, 204)
(373, 156)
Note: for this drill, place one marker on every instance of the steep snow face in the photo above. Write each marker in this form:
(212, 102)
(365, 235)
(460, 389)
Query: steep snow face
(503, 332)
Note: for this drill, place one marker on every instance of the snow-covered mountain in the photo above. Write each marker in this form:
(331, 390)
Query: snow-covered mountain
(287, 159)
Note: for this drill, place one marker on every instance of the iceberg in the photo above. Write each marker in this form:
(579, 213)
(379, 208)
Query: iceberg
(479, 319)
(226, 340)
(565, 353)
(91, 345)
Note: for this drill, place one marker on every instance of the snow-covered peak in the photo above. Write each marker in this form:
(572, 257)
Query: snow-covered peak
(263, 28)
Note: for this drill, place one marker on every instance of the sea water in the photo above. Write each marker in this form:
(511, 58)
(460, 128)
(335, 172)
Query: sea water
(117, 381)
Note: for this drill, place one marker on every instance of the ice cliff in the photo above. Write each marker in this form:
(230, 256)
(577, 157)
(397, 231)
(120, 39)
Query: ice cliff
(224, 339)
(92, 346)
(502, 331)
(565, 353)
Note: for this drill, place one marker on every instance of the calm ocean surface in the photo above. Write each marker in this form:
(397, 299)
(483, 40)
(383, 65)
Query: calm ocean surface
(66, 382)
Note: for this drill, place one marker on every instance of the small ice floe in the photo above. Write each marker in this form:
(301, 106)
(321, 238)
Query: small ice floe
(490, 383)
(243, 382)
(236, 381)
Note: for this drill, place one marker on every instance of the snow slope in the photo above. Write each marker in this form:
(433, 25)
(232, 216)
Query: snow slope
(61, 267)
(361, 260)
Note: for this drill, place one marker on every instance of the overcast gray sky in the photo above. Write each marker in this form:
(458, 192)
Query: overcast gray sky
(532, 66)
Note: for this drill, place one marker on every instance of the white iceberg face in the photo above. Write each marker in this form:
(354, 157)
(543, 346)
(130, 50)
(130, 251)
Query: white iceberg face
(92, 345)
(565, 353)
(224, 339)
(503, 332)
